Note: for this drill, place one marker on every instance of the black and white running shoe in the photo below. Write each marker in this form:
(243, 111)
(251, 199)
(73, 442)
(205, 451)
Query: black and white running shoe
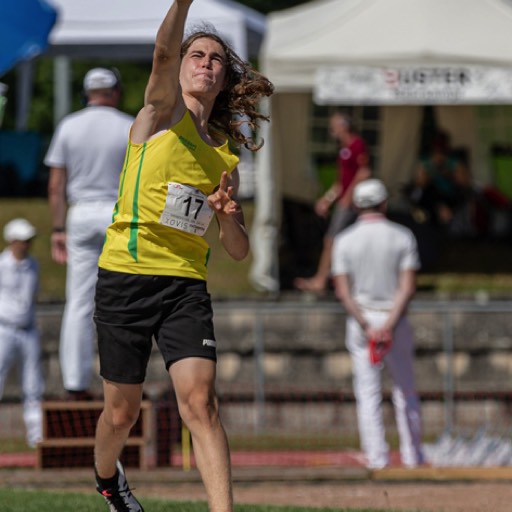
(119, 498)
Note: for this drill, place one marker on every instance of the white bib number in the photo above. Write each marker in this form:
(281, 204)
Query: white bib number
(186, 209)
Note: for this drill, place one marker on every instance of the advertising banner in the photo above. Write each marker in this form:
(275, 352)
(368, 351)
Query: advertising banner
(437, 85)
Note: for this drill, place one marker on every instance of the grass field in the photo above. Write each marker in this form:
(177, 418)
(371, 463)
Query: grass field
(42, 501)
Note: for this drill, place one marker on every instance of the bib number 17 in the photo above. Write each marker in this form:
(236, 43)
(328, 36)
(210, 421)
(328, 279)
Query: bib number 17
(186, 209)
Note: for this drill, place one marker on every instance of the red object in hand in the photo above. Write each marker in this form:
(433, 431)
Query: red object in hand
(377, 349)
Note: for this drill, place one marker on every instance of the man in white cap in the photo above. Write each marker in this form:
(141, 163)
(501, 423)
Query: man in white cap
(19, 335)
(374, 264)
(85, 157)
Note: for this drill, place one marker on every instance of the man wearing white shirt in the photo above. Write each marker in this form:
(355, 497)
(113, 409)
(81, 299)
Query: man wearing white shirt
(85, 157)
(374, 264)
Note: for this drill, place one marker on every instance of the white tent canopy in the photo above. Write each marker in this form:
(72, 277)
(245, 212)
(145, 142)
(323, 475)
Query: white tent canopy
(384, 33)
(127, 28)
(350, 34)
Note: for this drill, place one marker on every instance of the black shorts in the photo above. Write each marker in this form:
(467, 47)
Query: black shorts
(131, 309)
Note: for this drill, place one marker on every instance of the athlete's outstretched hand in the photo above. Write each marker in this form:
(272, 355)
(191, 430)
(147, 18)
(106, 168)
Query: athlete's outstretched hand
(221, 201)
(230, 217)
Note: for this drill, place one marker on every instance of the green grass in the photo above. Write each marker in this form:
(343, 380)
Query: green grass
(493, 284)
(15, 500)
(294, 442)
(251, 442)
(14, 445)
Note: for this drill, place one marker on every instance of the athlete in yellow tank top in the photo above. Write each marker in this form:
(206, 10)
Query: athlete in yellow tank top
(152, 286)
(162, 210)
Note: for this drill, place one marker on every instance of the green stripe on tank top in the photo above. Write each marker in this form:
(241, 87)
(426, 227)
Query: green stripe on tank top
(208, 252)
(132, 243)
(121, 186)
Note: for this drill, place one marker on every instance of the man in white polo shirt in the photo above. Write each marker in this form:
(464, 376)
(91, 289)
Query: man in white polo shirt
(374, 264)
(85, 157)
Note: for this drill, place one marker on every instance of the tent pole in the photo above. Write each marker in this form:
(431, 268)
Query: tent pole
(24, 78)
(61, 88)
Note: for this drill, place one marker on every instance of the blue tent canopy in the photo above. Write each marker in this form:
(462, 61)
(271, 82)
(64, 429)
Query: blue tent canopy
(24, 29)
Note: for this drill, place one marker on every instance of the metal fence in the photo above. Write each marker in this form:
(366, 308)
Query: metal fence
(281, 391)
(468, 417)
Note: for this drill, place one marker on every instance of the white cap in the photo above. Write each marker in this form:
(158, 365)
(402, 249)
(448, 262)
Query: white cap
(370, 193)
(19, 229)
(100, 78)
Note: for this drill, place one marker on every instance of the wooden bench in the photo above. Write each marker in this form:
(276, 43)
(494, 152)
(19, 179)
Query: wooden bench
(68, 436)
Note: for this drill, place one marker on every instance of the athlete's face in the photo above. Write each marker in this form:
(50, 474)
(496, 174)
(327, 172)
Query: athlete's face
(203, 68)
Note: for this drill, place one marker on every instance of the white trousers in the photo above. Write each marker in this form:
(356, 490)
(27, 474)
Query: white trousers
(22, 346)
(86, 224)
(367, 381)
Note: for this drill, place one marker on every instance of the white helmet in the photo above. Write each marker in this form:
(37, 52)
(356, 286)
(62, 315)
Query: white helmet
(19, 229)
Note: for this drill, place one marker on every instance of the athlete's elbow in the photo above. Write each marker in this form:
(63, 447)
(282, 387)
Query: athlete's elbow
(238, 251)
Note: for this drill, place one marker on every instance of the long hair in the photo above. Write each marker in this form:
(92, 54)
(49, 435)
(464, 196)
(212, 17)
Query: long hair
(237, 104)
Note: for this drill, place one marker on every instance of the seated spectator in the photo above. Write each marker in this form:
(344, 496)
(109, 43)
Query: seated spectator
(442, 186)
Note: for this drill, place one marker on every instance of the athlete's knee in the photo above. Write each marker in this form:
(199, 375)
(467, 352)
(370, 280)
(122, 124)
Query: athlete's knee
(120, 418)
(199, 408)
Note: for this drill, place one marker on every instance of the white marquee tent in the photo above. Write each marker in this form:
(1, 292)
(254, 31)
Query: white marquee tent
(396, 53)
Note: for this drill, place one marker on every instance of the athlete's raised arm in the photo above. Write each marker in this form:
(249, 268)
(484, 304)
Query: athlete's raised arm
(163, 102)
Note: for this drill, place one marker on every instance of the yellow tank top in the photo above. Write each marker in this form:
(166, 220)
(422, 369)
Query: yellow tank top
(140, 239)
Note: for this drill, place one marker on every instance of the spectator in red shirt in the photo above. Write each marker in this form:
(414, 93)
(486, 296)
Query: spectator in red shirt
(353, 166)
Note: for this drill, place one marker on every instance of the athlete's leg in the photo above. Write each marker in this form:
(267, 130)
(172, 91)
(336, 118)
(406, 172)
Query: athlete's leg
(194, 383)
(120, 412)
